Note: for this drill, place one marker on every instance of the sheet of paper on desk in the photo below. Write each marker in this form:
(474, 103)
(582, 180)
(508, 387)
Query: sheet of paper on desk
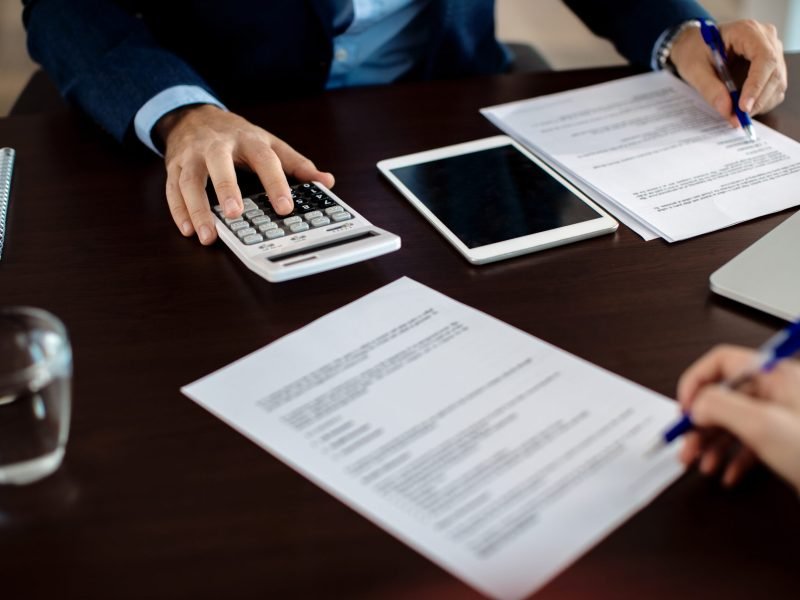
(652, 152)
(496, 455)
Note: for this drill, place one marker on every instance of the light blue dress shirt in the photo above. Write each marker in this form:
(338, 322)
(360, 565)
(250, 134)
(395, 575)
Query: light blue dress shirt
(380, 41)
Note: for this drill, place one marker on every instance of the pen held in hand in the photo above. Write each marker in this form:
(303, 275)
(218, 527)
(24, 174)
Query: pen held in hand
(782, 345)
(713, 40)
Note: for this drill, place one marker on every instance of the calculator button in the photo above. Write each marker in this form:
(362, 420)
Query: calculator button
(256, 212)
(298, 227)
(230, 221)
(260, 220)
(320, 222)
(255, 238)
(274, 233)
(341, 216)
(249, 204)
(312, 215)
(267, 227)
(333, 209)
(292, 220)
(218, 209)
(243, 233)
(239, 225)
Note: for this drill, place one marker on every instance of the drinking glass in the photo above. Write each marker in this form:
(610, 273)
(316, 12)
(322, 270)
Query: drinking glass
(35, 381)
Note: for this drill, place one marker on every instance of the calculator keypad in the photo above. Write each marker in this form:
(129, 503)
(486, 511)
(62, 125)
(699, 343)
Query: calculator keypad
(312, 208)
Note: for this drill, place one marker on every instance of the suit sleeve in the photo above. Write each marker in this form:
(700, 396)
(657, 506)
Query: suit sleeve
(634, 26)
(102, 58)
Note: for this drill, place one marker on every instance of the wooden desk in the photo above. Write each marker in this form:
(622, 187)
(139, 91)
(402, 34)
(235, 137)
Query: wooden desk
(157, 498)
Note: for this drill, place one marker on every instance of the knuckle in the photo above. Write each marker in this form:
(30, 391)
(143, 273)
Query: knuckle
(172, 187)
(263, 154)
(218, 147)
(251, 137)
(226, 187)
(199, 214)
(170, 164)
(186, 150)
(225, 184)
(721, 349)
(176, 209)
(771, 64)
(306, 163)
(190, 178)
(751, 25)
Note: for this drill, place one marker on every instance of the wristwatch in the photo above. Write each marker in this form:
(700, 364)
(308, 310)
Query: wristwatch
(663, 47)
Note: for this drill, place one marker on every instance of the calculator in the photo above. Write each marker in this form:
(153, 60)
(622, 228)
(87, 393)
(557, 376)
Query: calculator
(321, 233)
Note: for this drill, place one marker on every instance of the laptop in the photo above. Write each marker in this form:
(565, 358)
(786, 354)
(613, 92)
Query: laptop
(766, 275)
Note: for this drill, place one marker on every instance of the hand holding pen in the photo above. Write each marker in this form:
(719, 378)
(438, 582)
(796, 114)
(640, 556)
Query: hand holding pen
(759, 406)
(746, 41)
(713, 39)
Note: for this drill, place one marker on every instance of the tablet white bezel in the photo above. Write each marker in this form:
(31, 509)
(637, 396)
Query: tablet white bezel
(507, 248)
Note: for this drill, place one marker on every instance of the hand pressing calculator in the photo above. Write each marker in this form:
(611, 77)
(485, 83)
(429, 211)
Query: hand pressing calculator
(321, 233)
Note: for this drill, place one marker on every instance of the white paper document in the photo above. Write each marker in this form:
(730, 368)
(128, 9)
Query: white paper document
(652, 152)
(491, 452)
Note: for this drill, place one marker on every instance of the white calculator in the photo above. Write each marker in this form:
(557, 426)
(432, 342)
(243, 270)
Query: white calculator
(321, 233)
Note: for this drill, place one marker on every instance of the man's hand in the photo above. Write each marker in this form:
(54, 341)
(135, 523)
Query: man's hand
(205, 141)
(765, 85)
(763, 417)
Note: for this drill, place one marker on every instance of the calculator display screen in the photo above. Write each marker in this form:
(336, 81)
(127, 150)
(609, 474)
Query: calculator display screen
(493, 195)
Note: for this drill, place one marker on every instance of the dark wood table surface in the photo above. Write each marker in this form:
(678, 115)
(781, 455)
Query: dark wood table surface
(158, 498)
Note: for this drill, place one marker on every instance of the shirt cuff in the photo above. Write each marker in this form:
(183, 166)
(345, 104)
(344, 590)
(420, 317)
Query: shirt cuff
(165, 102)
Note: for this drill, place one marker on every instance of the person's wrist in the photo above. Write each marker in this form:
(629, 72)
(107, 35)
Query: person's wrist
(681, 44)
(170, 125)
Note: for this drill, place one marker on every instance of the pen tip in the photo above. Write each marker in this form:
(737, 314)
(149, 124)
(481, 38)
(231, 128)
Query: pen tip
(751, 133)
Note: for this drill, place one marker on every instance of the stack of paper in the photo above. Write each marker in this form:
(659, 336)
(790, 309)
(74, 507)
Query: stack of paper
(496, 455)
(649, 150)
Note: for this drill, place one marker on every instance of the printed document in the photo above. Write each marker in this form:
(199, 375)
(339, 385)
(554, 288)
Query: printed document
(651, 151)
(491, 452)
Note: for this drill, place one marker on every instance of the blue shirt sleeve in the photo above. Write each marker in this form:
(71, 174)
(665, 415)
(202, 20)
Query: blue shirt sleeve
(635, 26)
(103, 58)
(165, 102)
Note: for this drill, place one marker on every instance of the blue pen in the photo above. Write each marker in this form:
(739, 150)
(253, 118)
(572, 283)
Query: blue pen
(714, 41)
(782, 345)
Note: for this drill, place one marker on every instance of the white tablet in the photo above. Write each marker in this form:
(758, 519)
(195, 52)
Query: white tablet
(492, 199)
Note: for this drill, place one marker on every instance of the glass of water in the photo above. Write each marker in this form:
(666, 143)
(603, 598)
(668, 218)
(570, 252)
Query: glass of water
(35, 379)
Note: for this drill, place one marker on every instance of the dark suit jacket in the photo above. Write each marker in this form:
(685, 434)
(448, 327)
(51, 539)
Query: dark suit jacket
(111, 56)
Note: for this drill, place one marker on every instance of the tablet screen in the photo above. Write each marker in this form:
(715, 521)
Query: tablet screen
(493, 195)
